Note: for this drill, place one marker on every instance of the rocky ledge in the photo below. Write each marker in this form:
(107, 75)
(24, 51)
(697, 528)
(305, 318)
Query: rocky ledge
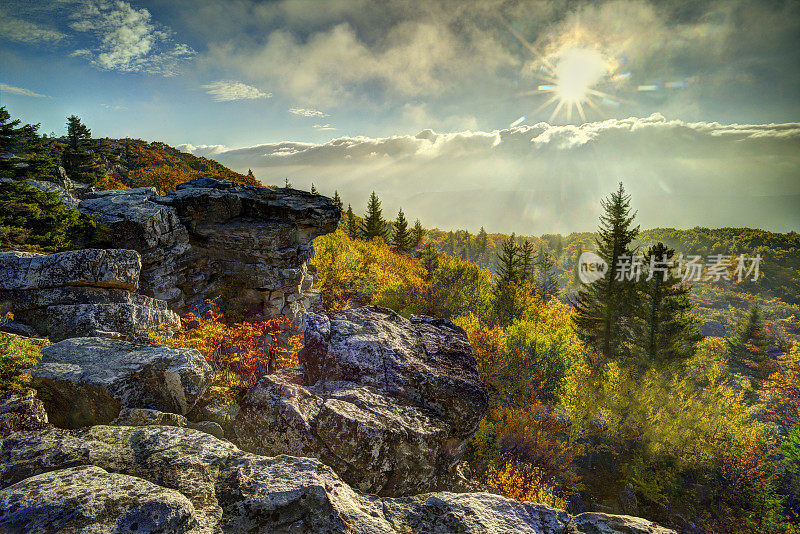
(212, 238)
(86, 292)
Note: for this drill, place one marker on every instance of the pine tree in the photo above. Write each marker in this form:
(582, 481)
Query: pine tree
(81, 164)
(481, 241)
(352, 225)
(576, 268)
(287, 184)
(429, 258)
(526, 261)
(374, 224)
(338, 201)
(603, 309)
(401, 237)
(417, 234)
(559, 249)
(250, 174)
(508, 275)
(665, 330)
(548, 286)
(314, 189)
(32, 152)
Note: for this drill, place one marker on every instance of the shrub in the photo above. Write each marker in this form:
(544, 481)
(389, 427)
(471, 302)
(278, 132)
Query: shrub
(17, 354)
(524, 482)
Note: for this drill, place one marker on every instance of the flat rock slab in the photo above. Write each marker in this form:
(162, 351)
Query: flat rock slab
(89, 499)
(86, 381)
(113, 268)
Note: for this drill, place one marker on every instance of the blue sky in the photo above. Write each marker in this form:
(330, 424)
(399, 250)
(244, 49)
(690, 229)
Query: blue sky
(681, 100)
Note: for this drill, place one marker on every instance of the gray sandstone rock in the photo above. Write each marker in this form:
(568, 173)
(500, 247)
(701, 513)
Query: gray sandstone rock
(86, 381)
(389, 403)
(88, 499)
(21, 410)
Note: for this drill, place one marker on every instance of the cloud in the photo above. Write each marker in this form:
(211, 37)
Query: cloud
(546, 178)
(324, 127)
(203, 151)
(114, 107)
(227, 91)
(20, 91)
(23, 31)
(307, 112)
(127, 39)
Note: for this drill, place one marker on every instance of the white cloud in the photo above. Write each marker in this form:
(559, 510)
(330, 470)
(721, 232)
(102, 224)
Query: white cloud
(204, 151)
(544, 178)
(23, 31)
(114, 107)
(127, 39)
(227, 91)
(324, 127)
(20, 91)
(307, 112)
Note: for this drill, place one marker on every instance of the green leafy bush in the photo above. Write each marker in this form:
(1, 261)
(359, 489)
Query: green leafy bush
(16, 355)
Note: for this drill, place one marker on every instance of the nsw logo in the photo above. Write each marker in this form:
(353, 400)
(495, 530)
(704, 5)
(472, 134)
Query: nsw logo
(591, 267)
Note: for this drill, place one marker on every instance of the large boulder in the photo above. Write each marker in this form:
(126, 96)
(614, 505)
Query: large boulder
(388, 402)
(21, 410)
(233, 491)
(81, 293)
(214, 238)
(89, 499)
(87, 381)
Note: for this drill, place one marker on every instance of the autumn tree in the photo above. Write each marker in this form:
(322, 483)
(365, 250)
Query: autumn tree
(78, 157)
(401, 236)
(374, 224)
(603, 307)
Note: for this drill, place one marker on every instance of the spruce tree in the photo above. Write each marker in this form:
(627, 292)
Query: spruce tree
(429, 258)
(508, 275)
(548, 286)
(78, 160)
(417, 234)
(314, 189)
(576, 268)
(603, 309)
(749, 348)
(481, 241)
(250, 174)
(352, 225)
(287, 184)
(374, 224)
(665, 330)
(31, 151)
(401, 236)
(526, 261)
(338, 201)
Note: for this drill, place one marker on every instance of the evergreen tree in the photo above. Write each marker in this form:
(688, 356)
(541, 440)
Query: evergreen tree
(481, 241)
(78, 160)
(548, 286)
(374, 224)
(665, 330)
(526, 261)
(250, 174)
(287, 184)
(559, 248)
(603, 308)
(314, 189)
(417, 234)
(338, 201)
(429, 258)
(576, 268)
(32, 152)
(401, 237)
(508, 275)
(352, 225)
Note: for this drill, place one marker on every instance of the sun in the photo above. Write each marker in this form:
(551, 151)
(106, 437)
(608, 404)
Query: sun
(573, 74)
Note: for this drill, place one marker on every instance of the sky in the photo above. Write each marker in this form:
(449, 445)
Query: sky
(511, 115)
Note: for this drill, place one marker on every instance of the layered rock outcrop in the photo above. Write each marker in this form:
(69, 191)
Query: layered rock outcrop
(159, 469)
(388, 402)
(87, 381)
(212, 238)
(81, 293)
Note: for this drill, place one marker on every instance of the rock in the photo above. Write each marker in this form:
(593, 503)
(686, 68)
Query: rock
(114, 268)
(213, 238)
(86, 381)
(145, 416)
(232, 491)
(61, 192)
(389, 403)
(81, 293)
(597, 523)
(89, 499)
(21, 410)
